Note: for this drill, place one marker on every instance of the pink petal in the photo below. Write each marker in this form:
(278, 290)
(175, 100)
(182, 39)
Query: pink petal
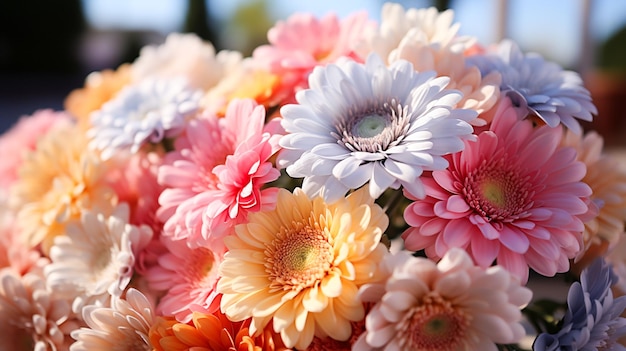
(514, 239)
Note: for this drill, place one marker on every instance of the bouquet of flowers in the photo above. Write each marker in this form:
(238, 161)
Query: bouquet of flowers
(350, 185)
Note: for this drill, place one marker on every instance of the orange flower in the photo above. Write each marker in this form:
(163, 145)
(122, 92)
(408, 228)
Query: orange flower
(210, 332)
(246, 83)
(99, 88)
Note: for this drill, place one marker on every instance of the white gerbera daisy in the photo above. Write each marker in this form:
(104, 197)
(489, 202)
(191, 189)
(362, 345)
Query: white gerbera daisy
(145, 112)
(368, 122)
(549, 92)
(95, 260)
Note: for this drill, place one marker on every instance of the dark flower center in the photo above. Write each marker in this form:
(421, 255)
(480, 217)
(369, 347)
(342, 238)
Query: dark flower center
(434, 325)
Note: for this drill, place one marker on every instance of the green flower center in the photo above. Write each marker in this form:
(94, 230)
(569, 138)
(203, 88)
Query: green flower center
(370, 126)
(374, 127)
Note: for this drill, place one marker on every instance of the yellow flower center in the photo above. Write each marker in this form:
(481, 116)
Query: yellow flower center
(497, 190)
(298, 258)
(434, 325)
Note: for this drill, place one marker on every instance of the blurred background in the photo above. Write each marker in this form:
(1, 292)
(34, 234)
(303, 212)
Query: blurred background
(47, 47)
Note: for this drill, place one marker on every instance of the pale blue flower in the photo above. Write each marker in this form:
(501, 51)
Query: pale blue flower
(369, 123)
(544, 88)
(592, 321)
(147, 111)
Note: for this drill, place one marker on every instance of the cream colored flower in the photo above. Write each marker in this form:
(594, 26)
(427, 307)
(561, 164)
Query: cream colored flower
(123, 326)
(452, 305)
(300, 266)
(59, 180)
(429, 40)
(32, 317)
(185, 55)
(427, 26)
(95, 259)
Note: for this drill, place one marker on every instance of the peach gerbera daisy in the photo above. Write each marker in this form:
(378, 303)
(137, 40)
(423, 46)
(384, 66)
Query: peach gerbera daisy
(450, 305)
(59, 180)
(607, 179)
(299, 266)
(99, 88)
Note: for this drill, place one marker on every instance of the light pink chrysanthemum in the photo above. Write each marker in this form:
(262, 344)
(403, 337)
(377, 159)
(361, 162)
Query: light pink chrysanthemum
(14, 252)
(240, 181)
(188, 276)
(195, 194)
(22, 137)
(33, 318)
(452, 305)
(514, 196)
(302, 42)
(607, 179)
(123, 327)
(134, 181)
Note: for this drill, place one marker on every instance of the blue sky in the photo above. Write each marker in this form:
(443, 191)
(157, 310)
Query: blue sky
(551, 27)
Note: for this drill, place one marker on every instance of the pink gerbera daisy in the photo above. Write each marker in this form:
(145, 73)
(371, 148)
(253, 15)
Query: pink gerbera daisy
(514, 196)
(188, 276)
(302, 42)
(198, 192)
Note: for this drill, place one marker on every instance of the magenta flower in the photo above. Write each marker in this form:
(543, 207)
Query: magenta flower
(216, 173)
(514, 196)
